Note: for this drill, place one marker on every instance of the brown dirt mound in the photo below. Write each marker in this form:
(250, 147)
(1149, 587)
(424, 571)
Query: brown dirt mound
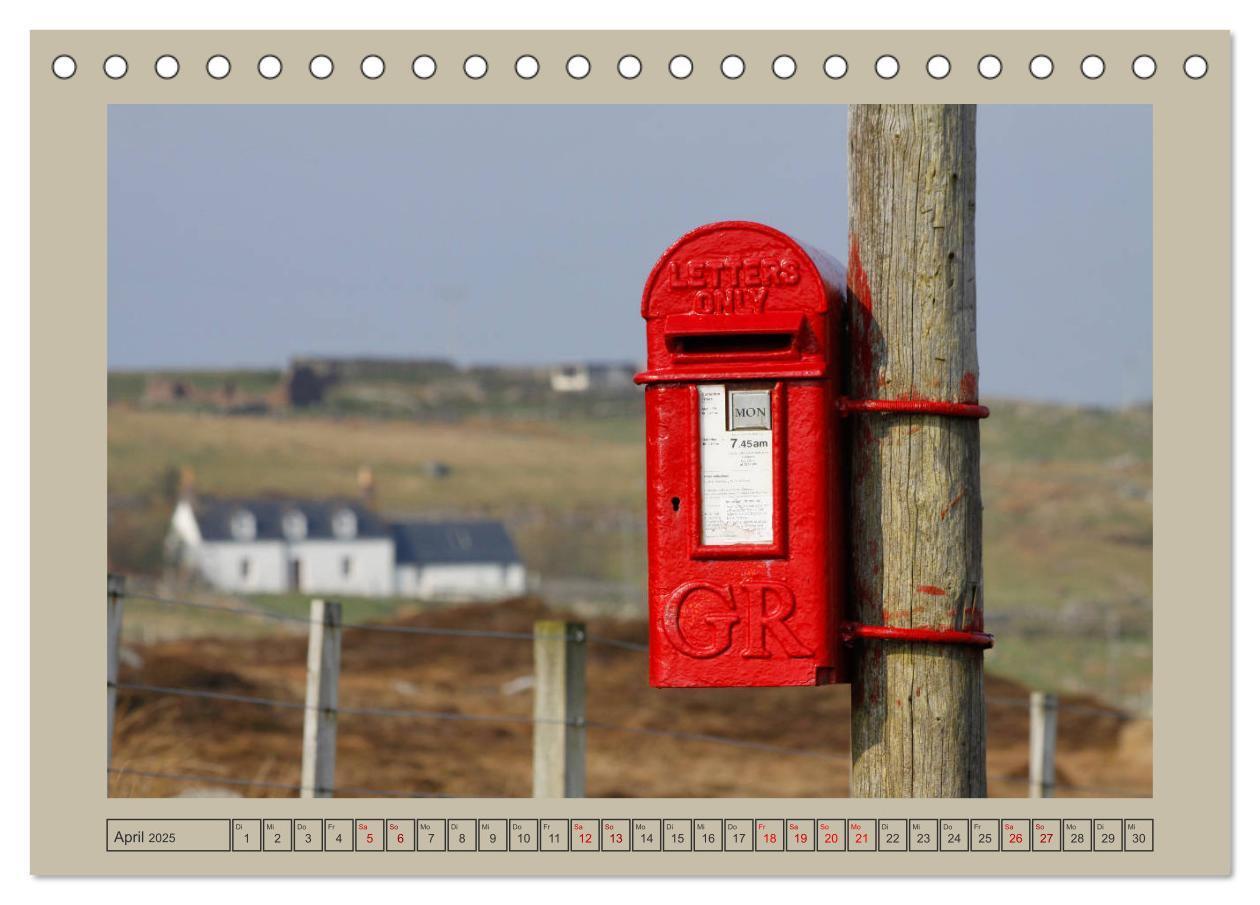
(477, 677)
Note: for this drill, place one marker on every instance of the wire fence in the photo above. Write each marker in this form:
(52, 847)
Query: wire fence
(142, 688)
(597, 640)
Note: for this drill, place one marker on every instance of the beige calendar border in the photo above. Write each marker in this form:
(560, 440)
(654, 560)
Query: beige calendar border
(1192, 537)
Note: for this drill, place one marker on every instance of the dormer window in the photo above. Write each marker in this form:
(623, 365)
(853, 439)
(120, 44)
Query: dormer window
(344, 524)
(293, 523)
(243, 525)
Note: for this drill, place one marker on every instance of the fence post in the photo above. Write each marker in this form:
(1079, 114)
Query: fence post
(559, 709)
(113, 639)
(1043, 710)
(319, 728)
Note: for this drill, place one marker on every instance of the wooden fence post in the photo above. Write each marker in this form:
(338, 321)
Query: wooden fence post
(319, 728)
(918, 708)
(559, 709)
(113, 640)
(1043, 710)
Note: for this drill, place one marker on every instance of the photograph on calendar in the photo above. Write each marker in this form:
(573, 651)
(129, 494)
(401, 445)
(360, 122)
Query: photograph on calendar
(722, 451)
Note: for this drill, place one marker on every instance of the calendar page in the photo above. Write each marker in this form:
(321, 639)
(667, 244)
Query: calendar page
(609, 453)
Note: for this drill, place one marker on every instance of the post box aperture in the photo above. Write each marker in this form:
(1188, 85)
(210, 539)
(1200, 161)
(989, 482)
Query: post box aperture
(744, 342)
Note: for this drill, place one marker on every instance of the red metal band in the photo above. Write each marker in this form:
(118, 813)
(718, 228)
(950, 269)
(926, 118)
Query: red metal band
(913, 407)
(851, 631)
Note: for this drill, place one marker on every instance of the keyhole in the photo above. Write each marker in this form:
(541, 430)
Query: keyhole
(675, 502)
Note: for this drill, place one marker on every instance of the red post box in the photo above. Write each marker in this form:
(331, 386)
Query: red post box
(745, 337)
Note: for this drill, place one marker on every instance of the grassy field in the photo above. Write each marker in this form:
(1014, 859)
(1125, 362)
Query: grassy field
(1067, 504)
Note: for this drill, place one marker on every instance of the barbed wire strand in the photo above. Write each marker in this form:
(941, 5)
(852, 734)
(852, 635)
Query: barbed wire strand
(1066, 706)
(364, 626)
(467, 717)
(340, 710)
(637, 646)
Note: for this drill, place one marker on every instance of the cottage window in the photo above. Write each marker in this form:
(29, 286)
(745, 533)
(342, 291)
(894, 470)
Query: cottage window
(245, 568)
(347, 564)
(294, 525)
(243, 525)
(344, 524)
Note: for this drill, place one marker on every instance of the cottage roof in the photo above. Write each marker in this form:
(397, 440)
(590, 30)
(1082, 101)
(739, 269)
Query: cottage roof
(214, 518)
(439, 542)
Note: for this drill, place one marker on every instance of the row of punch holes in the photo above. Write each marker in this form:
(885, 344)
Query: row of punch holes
(630, 66)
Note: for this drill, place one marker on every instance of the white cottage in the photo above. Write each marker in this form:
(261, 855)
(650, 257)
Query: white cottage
(276, 546)
(272, 546)
(458, 560)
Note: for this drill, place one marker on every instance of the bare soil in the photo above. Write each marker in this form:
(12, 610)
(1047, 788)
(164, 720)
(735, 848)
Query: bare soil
(1101, 750)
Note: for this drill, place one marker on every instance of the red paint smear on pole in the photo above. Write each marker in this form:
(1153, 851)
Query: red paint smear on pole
(860, 287)
(931, 589)
(969, 387)
(952, 503)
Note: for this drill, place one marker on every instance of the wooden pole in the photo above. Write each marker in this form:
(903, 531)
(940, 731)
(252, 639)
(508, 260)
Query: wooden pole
(918, 709)
(319, 729)
(1043, 711)
(113, 641)
(559, 709)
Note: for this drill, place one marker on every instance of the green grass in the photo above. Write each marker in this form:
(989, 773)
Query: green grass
(1034, 432)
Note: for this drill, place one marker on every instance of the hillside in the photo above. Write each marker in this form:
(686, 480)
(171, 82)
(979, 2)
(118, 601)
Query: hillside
(1067, 496)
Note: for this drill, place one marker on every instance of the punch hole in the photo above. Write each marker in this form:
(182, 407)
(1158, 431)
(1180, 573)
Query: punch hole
(680, 66)
(990, 66)
(938, 66)
(1092, 67)
(578, 66)
(835, 66)
(1195, 66)
(64, 66)
(887, 67)
(321, 66)
(527, 66)
(475, 66)
(423, 66)
(1041, 66)
(166, 66)
(372, 66)
(784, 66)
(732, 66)
(629, 66)
(269, 67)
(675, 502)
(115, 66)
(218, 66)
(1144, 66)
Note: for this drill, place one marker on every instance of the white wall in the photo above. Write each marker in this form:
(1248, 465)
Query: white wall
(472, 581)
(371, 566)
(219, 562)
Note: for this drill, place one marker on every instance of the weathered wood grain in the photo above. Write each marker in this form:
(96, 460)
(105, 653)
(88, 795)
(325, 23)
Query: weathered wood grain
(559, 709)
(918, 709)
(319, 727)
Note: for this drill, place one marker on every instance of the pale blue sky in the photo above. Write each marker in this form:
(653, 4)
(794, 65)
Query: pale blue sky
(243, 235)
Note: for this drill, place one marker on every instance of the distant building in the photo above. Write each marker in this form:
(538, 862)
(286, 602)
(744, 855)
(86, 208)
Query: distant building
(265, 546)
(449, 559)
(585, 377)
(305, 384)
(273, 546)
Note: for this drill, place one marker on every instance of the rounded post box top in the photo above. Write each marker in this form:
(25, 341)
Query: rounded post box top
(738, 298)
